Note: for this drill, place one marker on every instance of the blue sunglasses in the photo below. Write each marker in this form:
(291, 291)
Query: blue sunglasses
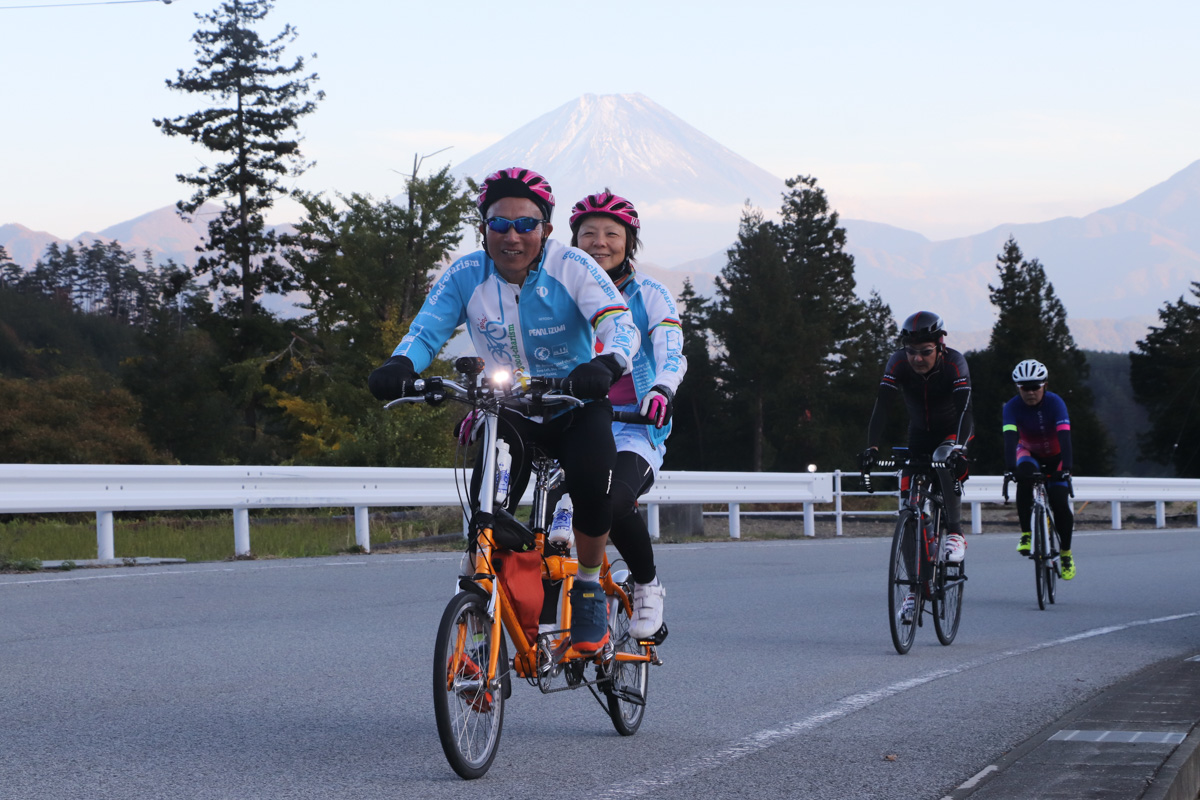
(522, 224)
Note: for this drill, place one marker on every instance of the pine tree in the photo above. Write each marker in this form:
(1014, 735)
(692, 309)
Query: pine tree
(855, 384)
(1031, 322)
(1165, 373)
(259, 102)
(753, 305)
(10, 271)
(697, 433)
(829, 328)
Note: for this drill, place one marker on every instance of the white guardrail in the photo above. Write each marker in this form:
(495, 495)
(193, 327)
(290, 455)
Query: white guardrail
(105, 489)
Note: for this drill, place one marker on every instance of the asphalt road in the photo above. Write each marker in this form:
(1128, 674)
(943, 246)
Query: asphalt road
(311, 678)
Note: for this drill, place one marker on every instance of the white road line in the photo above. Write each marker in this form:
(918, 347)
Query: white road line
(761, 740)
(142, 572)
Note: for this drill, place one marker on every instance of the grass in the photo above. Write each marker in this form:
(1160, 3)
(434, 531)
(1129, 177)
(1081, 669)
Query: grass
(27, 540)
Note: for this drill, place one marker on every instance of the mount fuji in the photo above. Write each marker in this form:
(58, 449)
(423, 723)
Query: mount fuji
(1112, 269)
(688, 188)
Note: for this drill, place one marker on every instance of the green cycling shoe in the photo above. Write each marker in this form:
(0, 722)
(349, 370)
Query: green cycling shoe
(1068, 565)
(1025, 544)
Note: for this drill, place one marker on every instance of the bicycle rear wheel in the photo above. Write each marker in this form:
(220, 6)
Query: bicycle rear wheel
(902, 580)
(626, 689)
(469, 713)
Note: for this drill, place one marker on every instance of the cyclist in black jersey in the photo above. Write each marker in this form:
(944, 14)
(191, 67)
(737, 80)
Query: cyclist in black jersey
(936, 386)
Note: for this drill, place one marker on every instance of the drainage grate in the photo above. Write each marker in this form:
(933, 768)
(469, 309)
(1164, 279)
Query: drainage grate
(1122, 737)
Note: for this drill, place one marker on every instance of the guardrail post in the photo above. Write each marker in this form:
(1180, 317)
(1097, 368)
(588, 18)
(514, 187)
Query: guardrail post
(1116, 515)
(1160, 514)
(241, 531)
(735, 521)
(837, 502)
(104, 536)
(652, 523)
(362, 528)
(976, 517)
(810, 528)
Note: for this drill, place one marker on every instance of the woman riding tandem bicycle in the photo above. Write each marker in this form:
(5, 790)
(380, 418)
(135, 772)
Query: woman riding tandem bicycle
(606, 227)
(536, 306)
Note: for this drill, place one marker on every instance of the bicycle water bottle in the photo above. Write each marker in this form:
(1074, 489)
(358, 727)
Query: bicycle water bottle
(503, 471)
(560, 527)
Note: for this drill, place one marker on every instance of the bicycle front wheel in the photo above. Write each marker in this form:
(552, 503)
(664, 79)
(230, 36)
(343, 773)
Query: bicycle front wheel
(947, 601)
(469, 711)
(626, 689)
(1052, 561)
(1042, 566)
(902, 581)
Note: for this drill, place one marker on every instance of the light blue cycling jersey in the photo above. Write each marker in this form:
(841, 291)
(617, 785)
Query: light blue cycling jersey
(659, 361)
(545, 327)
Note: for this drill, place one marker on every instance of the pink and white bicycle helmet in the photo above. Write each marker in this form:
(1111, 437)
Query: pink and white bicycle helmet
(608, 203)
(517, 182)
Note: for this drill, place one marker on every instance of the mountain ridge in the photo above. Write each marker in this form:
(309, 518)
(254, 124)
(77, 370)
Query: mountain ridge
(1113, 269)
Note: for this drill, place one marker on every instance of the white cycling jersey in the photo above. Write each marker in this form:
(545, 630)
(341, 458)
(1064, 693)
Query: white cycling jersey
(545, 327)
(659, 361)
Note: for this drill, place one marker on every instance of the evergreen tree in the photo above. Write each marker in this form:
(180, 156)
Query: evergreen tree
(753, 306)
(366, 269)
(10, 271)
(1165, 373)
(698, 433)
(787, 318)
(855, 385)
(259, 101)
(1031, 322)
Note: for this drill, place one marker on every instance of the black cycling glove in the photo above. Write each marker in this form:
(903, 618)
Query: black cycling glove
(592, 379)
(393, 379)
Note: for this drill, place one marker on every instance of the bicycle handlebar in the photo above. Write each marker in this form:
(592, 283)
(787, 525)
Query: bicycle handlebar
(900, 460)
(537, 390)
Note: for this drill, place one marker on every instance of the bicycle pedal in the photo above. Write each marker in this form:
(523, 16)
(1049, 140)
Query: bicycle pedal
(658, 638)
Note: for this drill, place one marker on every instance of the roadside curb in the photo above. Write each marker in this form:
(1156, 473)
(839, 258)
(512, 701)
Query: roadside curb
(1164, 697)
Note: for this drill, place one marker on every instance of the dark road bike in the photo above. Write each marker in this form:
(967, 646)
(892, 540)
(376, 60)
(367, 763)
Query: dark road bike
(918, 567)
(1045, 549)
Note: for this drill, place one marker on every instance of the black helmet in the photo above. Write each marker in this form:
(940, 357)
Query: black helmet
(923, 326)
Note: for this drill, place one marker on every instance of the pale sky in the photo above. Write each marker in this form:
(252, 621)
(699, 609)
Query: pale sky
(947, 118)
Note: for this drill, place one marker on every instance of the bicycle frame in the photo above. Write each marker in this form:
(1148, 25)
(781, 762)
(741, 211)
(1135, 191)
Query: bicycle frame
(1045, 544)
(556, 566)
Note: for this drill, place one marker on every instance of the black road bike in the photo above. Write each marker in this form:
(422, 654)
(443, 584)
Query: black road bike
(920, 579)
(1045, 548)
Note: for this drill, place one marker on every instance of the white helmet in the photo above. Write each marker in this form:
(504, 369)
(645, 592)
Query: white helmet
(1030, 370)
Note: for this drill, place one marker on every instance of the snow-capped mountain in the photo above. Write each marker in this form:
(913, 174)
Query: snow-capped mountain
(688, 188)
(1112, 269)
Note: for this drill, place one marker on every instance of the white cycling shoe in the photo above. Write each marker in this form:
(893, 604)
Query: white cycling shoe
(956, 547)
(647, 609)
